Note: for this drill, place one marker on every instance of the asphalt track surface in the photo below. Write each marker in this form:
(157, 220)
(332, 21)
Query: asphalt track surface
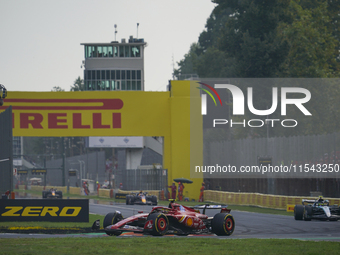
(247, 225)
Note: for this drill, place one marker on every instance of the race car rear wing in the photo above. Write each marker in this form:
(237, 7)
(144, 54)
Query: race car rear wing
(207, 206)
(310, 201)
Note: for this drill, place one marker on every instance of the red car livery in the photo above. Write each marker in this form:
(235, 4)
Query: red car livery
(174, 219)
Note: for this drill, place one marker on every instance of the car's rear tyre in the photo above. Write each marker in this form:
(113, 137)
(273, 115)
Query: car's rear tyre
(160, 224)
(307, 214)
(298, 212)
(223, 224)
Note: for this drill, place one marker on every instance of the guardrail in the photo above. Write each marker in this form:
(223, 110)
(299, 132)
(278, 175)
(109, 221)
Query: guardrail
(257, 199)
(105, 193)
(230, 198)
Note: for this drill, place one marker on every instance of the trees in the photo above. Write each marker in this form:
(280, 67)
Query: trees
(78, 85)
(249, 37)
(313, 47)
(271, 38)
(57, 88)
(274, 39)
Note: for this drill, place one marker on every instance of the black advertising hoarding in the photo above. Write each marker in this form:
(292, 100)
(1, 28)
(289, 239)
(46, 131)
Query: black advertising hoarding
(264, 161)
(72, 173)
(120, 196)
(39, 171)
(62, 210)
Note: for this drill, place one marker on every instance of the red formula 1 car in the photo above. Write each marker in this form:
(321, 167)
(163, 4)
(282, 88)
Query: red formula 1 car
(174, 219)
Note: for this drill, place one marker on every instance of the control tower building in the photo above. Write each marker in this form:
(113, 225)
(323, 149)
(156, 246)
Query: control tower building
(115, 65)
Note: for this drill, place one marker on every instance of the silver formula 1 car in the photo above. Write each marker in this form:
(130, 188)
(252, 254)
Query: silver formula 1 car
(316, 209)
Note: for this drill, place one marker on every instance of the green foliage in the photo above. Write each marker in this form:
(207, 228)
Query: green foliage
(273, 39)
(250, 38)
(57, 89)
(78, 85)
(312, 43)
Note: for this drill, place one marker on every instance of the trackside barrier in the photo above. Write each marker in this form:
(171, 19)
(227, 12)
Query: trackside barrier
(22, 187)
(41, 188)
(37, 188)
(74, 190)
(106, 192)
(101, 192)
(257, 199)
(230, 198)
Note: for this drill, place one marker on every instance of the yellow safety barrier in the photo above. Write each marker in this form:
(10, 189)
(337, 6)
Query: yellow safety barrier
(61, 188)
(22, 187)
(257, 199)
(37, 188)
(231, 198)
(290, 208)
(75, 190)
(104, 193)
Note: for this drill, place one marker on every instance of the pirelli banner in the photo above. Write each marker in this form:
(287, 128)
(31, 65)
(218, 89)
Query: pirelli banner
(174, 115)
(63, 210)
(89, 113)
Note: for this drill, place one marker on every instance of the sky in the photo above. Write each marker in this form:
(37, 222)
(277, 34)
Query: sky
(40, 39)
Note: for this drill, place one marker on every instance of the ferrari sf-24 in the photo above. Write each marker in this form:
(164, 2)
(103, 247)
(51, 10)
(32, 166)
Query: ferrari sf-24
(175, 219)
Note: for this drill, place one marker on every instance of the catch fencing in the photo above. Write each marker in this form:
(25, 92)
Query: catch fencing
(144, 179)
(296, 150)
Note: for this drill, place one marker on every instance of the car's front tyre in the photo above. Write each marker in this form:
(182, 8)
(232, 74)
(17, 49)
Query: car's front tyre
(160, 224)
(112, 218)
(298, 212)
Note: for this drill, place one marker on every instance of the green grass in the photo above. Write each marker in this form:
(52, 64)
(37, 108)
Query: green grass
(164, 245)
